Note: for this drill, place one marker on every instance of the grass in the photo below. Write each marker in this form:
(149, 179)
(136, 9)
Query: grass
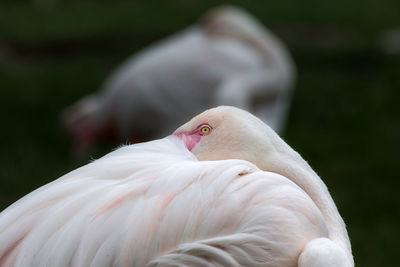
(344, 117)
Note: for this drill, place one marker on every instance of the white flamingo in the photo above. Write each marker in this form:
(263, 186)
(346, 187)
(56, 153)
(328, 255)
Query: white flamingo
(225, 190)
(229, 58)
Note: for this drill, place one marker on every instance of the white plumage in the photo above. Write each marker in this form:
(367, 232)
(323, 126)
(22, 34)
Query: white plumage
(155, 202)
(158, 204)
(229, 58)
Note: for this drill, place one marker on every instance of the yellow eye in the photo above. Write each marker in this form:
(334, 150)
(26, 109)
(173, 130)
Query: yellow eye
(205, 130)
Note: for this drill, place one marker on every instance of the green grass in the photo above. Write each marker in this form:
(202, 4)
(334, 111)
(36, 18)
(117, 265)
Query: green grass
(344, 117)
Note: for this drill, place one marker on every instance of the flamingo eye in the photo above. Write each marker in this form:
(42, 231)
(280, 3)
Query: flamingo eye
(205, 129)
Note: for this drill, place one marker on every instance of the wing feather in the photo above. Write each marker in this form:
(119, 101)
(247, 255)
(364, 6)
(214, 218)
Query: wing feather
(155, 204)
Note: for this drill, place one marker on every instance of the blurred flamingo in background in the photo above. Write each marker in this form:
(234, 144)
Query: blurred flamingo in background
(224, 190)
(228, 58)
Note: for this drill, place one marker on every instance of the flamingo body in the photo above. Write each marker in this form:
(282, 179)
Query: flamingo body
(228, 58)
(224, 190)
(152, 203)
(174, 80)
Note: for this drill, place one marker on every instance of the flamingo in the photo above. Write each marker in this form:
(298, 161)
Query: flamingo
(223, 190)
(228, 58)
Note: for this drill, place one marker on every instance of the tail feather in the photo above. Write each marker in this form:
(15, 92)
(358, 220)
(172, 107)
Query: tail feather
(323, 252)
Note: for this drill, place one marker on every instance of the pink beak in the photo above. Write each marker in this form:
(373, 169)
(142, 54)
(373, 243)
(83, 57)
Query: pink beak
(190, 139)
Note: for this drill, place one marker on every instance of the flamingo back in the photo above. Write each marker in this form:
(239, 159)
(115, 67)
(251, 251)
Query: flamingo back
(155, 204)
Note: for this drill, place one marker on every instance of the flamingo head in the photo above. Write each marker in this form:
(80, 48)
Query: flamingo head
(229, 133)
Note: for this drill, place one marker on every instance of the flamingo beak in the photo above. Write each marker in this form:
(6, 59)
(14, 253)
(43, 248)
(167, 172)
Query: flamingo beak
(190, 139)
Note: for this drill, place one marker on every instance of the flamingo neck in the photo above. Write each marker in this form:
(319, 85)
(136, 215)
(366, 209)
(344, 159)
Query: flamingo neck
(291, 165)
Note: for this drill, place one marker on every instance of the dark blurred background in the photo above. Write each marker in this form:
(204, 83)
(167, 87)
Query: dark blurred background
(343, 119)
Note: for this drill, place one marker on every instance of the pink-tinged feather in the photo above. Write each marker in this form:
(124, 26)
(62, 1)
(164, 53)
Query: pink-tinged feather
(114, 202)
(9, 256)
(242, 197)
(151, 198)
